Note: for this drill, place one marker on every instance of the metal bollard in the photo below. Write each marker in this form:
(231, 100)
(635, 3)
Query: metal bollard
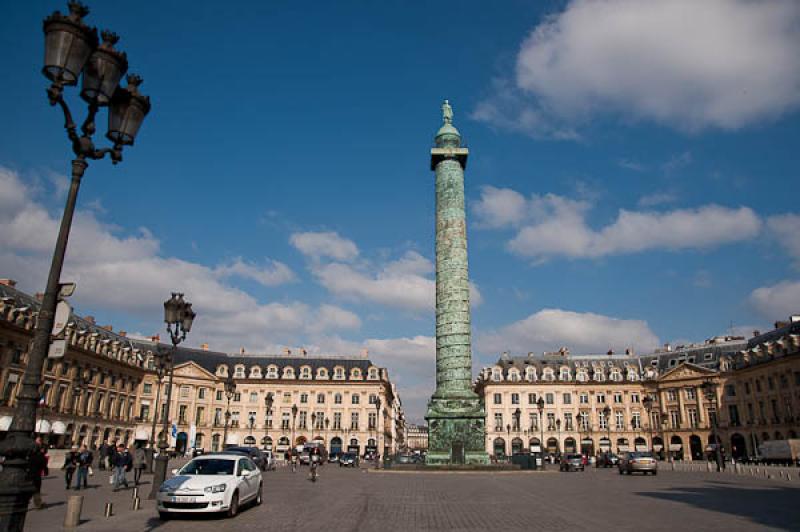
(74, 507)
(135, 493)
(109, 511)
(137, 503)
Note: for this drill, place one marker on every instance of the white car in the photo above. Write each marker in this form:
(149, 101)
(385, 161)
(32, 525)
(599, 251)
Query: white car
(211, 483)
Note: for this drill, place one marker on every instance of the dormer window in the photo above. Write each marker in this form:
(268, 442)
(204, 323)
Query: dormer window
(272, 372)
(305, 372)
(222, 371)
(255, 372)
(322, 373)
(581, 375)
(565, 374)
(632, 375)
(598, 375)
(338, 373)
(513, 375)
(373, 374)
(288, 372)
(615, 375)
(355, 373)
(497, 374)
(530, 374)
(548, 375)
(239, 372)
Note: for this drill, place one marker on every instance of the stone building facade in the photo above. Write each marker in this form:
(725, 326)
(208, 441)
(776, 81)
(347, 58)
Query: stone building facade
(593, 404)
(105, 388)
(416, 438)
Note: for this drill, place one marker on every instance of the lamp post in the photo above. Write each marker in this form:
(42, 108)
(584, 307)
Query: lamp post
(230, 391)
(77, 390)
(71, 51)
(664, 426)
(160, 367)
(607, 414)
(327, 421)
(710, 390)
(648, 405)
(378, 432)
(558, 446)
(179, 316)
(267, 417)
(252, 420)
(540, 407)
(294, 419)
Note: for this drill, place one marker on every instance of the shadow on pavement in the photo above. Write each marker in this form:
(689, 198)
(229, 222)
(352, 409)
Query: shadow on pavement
(775, 507)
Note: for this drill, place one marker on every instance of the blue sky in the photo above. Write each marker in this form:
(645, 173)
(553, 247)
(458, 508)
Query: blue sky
(626, 187)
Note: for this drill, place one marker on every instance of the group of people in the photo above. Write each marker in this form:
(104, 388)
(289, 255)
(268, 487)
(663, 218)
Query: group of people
(80, 460)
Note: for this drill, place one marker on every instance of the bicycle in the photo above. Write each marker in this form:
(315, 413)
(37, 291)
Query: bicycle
(313, 471)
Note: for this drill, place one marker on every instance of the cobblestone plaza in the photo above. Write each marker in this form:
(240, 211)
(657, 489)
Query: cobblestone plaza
(365, 500)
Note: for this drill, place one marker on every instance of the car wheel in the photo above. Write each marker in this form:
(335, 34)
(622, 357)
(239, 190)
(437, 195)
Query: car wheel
(259, 495)
(233, 509)
(164, 516)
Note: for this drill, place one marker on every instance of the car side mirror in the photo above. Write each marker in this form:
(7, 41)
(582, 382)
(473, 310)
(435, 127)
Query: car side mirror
(174, 471)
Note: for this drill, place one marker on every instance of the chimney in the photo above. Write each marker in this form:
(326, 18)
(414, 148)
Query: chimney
(90, 319)
(39, 296)
(8, 282)
(204, 346)
(241, 350)
(303, 351)
(287, 351)
(155, 338)
(109, 328)
(667, 347)
(123, 333)
(610, 352)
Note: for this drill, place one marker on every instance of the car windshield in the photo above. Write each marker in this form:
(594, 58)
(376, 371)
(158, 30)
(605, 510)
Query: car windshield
(213, 466)
(640, 455)
(574, 457)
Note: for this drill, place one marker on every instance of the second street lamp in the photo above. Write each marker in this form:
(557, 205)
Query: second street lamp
(710, 390)
(267, 417)
(179, 316)
(540, 407)
(607, 416)
(230, 391)
(648, 405)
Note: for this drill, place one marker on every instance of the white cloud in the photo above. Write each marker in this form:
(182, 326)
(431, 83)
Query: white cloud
(328, 244)
(685, 64)
(550, 329)
(404, 283)
(786, 229)
(552, 225)
(656, 198)
(126, 273)
(272, 274)
(499, 207)
(777, 302)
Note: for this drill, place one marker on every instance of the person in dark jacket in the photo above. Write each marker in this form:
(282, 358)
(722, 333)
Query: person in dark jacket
(84, 463)
(139, 462)
(104, 453)
(37, 468)
(122, 463)
(70, 464)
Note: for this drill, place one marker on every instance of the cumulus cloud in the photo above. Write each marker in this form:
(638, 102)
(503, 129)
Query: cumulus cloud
(685, 64)
(326, 244)
(550, 329)
(551, 225)
(656, 198)
(271, 274)
(777, 301)
(404, 283)
(786, 229)
(127, 273)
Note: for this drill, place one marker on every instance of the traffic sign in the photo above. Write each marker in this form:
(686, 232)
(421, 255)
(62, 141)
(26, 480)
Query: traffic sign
(63, 312)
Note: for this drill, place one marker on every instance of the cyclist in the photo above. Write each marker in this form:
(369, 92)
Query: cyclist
(294, 460)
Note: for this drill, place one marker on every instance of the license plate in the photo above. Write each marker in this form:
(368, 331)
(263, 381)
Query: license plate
(182, 499)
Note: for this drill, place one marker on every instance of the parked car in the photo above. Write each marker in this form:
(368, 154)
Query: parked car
(607, 460)
(572, 462)
(638, 462)
(254, 453)
(219, 482)
(405, 459)
(197, 451)
(333, 457)
(348, 460)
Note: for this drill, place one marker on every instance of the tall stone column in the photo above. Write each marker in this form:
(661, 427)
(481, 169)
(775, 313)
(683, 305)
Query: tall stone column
(456, 417)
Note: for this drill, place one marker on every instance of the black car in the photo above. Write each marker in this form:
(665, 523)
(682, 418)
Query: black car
(255, 454)
(607, 460)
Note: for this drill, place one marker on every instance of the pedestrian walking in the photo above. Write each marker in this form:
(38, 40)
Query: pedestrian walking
(139, 463)
(70, 464)
(84, 463)
(122, 463)
(103, 454)
(37, 468)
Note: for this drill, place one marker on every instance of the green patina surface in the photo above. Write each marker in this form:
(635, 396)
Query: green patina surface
(456, 416)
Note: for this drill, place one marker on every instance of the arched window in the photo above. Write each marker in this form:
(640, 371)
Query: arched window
(355, 374)
(338, 373)
(288, 372)
(255, 372)
(513, 375)
(548, 375)
(322, 373)
(599, 376)
(615, 375)
(632, 375)
(373, 374)
(581, 375)
(272, 372)
(305, 372)
(337, 399)
(222, 370)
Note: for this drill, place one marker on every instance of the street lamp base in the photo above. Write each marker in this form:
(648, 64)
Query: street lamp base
(159, 473)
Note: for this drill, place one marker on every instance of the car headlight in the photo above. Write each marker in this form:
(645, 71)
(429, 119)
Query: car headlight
(219, 488)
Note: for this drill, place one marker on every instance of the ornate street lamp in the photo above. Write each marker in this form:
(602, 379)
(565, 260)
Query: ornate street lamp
(378, 424)
(230, 391)
(162, 359)
(252, 420)
(294, 419)
(540, 407)
(607, 415)
(179, 316)
(710, 391)
(72, 51)
(268, 415)
(517, 414)
(558, 446)
(648, 405)
(78, 388)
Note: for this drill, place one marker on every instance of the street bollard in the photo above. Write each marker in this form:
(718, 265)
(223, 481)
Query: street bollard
(135, 493)
(109, 511)
(137, 503)
(74, 507)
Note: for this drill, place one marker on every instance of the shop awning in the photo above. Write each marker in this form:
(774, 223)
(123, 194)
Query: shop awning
(657, 447)
(5, 422)
(142, 434)
(59, 428)
(42, 426)
(675, 446)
